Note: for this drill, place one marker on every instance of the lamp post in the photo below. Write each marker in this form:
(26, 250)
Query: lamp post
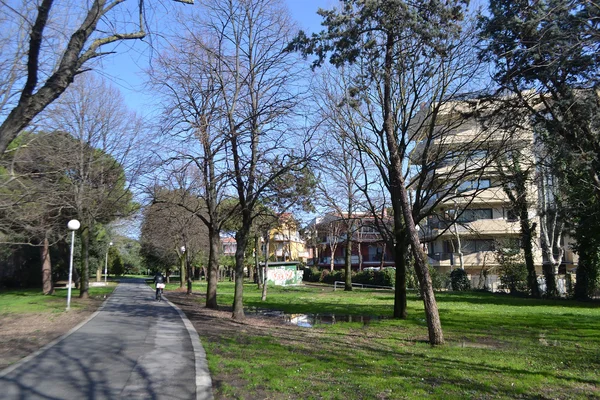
(182, 273)
(106, 262)
(73, 225)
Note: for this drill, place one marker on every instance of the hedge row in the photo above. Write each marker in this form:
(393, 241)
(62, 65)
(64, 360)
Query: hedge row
(384, 277)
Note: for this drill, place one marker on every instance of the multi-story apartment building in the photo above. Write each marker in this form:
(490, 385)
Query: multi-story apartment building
(327, 242)
(477, 218)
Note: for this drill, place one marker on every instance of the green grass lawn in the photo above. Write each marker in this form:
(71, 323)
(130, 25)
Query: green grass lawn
(34, 301)
(498, 347)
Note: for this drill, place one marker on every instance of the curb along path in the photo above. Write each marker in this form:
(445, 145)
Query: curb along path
(132, 348)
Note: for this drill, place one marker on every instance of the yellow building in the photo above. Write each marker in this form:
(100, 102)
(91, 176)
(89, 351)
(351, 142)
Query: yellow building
(285, 243)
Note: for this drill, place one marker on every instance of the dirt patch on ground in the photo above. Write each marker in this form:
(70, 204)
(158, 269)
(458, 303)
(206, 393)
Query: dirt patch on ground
(22, 334)
(216, 324)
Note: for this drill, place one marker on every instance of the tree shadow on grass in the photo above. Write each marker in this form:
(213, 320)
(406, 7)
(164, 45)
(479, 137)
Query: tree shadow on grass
(509, 300)
(346, 358)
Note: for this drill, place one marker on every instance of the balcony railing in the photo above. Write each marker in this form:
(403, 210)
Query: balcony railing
(442, 256)
(286, 238)
(355, 259)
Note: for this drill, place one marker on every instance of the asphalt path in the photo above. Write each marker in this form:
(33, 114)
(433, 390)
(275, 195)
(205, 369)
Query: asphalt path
(132, 348)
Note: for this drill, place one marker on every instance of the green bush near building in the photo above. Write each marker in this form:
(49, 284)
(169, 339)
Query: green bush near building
(374, 277)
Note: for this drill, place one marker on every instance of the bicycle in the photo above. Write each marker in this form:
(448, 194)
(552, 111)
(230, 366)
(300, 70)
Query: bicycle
(159, 291)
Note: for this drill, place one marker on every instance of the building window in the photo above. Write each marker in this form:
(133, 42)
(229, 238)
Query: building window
(477, 155)
(368, 229)
(476, 184)
(475, 214)
(470, 246)
(511, 215)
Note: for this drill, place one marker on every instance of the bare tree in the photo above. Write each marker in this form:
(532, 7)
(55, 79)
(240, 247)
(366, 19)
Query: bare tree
(340, 167)
(255, 74)
(333, 232)
(410, 61)
(517, 172)
(552, 223)
(192, 113)
(168, 224)
(63, 37)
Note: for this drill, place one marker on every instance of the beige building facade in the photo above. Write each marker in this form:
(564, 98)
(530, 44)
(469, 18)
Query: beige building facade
(477, 219)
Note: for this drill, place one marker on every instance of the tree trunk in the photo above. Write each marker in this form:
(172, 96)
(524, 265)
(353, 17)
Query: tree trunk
(289, 246)
(586, 271)
(265, 272)
(400, 250)
(182, 270)
(461, 262)
(256, 257)
(527, 231)
(189, 273)
(263, 296)
(360, 256)
(550, 278)
(382, 261)
(241, 238)
(259, 277)
(85, 271)
(212, 276)
(398, 188)
(434, 324)
(332, 250)
(47, 284)
(348, 263)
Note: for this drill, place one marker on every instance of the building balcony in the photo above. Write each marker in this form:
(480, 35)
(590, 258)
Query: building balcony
(366, 259)
(286, 238)
(472, 198)
(482, 227)
(478, 259)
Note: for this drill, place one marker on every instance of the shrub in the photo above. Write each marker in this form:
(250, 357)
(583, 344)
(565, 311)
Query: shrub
(459, 280)
(331, 277)
(439, 280)
(514, 277)
(412, 282)
(513, 272)
(364, 277)
(312, 274)
(117, 266)
(384, 277)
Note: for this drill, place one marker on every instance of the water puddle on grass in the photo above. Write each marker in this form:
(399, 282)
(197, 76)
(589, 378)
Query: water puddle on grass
(310, 320)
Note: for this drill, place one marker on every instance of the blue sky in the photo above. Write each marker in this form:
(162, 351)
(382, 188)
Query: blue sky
(125, 69)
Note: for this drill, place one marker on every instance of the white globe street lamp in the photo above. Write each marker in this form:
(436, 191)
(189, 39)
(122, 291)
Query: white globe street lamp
(106, 263)
(181, 274)
(73, 225)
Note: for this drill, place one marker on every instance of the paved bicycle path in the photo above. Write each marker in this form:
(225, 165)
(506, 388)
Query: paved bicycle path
(133, 348)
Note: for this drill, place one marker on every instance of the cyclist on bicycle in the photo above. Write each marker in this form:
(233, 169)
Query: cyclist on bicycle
(159, 280)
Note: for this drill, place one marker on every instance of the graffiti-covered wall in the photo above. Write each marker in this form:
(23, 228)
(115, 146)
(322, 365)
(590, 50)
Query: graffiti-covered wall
(284, 274)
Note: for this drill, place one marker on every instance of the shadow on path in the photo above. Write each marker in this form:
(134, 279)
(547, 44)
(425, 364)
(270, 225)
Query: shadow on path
(134, 348)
